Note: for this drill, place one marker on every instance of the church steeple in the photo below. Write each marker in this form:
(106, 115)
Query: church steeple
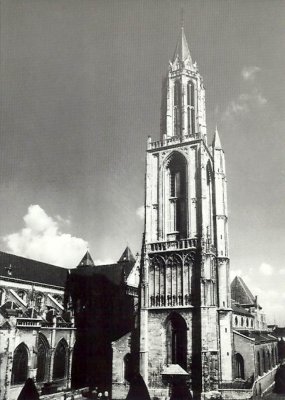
(182, 52)
(183, 111)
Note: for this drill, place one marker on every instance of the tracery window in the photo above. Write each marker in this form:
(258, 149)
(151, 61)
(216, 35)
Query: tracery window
(42, 358)
(176, 193)
(20, 365)
(60, 360)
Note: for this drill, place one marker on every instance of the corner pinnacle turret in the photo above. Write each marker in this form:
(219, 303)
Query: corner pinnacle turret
(217, 141)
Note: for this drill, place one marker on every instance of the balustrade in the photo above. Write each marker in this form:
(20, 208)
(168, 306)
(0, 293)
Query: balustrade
(28, 322)
(172, 245)
(170, 301)
(172, 140)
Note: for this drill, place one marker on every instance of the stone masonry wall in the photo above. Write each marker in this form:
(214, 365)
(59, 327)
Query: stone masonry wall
(157, 345)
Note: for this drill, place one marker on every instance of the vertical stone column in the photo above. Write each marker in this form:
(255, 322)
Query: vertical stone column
(70, 356)
(144, 345)
(33, 356)
(69, 366)
(52, 350)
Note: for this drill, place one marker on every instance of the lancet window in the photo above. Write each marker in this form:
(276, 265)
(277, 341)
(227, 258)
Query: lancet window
(176, 340)
(176, 194)
(190, 107)
(20, 365)
(177, 108)
(60, 360)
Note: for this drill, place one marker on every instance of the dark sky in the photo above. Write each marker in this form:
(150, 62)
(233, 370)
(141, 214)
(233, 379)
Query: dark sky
(80, 93)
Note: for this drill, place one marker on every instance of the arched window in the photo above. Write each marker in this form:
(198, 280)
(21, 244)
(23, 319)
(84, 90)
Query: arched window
(241, 321)
(190, 108)
(269, 359)
(259, 370)
(22, 294)
(273, 357)
(60, 360)
(20, 365)
(176, 340)
(39, 300)
(239, 366)
(176, 193)
(236, 321)
(251, 323)
(264, 362)
(42, 358)
(177, 108)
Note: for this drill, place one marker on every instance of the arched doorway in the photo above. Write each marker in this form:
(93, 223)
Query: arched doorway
(176, 340)
(60, 360)
(42, 358)
(20, 365)
(239, 366)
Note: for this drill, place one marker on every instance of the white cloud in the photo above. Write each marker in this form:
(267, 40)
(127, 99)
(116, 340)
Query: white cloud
(249, 73)
(243, 104)
(140, 212)
(266, 269)
(42, 239)
(247, 101)
(282, 271)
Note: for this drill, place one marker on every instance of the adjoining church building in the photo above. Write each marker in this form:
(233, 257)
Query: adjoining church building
(37, 334)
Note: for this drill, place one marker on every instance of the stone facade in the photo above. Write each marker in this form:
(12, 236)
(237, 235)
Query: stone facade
(36, 334)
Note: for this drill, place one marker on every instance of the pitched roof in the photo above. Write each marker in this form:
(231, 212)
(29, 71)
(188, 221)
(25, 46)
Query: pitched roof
(127, 256)
(241, 293)
(86, 261)
(259, 337)
(16, 267)
(182, 51)
(279, 332)
(241, 310)
(113, 272)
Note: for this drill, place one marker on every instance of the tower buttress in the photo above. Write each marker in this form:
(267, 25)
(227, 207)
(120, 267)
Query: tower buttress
(222, 248)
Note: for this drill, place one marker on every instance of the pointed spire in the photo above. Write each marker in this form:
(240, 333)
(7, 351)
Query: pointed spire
(86, 261)
(182, 51)
(216, 140)
(127, 256)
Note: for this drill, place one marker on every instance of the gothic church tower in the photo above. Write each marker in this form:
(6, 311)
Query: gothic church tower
(185, 309)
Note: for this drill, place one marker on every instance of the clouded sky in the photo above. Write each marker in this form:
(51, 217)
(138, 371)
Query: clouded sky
(80, 93)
